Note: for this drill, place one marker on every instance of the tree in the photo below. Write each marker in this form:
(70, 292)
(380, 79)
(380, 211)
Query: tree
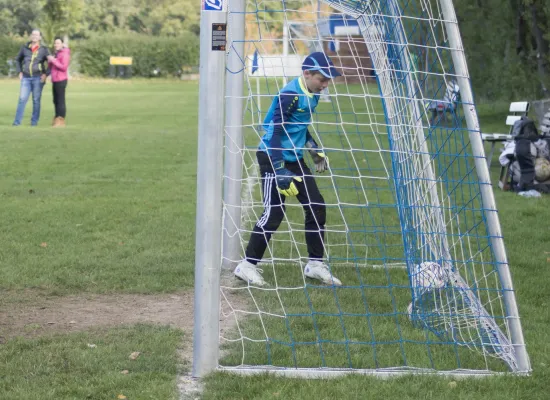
(166, 17)
(60, 18)
(19, 17)
(539, 27)
(108, 15)
(7, 21)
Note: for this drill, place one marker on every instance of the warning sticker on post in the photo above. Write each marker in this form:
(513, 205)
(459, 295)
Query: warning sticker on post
(214, 5)
(219, 37)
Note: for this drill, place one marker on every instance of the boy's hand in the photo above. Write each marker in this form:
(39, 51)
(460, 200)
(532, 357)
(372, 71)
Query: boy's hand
(319, 157)
(285, 180)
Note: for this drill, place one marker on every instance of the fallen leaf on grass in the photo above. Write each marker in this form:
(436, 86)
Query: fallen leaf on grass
(43, 244)
(125, 372)
(121, 397)
(134, 355)
(91, 346)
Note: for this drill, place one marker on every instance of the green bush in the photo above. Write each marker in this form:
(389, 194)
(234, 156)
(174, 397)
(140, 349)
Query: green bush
(167, 54)
(9, 47)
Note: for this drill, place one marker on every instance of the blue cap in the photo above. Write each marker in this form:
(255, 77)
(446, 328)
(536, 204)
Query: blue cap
(319, 61)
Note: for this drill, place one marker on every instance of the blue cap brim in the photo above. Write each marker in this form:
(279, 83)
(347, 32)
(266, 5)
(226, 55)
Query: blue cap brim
(333, 72)
(327, 72)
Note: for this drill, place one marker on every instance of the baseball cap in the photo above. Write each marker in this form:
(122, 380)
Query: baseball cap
(319, 61)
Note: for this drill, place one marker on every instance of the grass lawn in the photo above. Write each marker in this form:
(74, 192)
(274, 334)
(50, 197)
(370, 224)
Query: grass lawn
(108, 196)
(103, 206)
(107, 206)
(92, 365)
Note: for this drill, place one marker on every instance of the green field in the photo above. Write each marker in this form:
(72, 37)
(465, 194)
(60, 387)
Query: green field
(107, 205)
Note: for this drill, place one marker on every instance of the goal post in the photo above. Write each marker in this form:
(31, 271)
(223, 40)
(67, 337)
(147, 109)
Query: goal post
(208, 231)
(233, 133)
(487, 196)
(412, 226)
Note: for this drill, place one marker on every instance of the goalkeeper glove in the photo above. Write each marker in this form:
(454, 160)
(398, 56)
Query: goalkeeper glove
(319, 157)
(285, 179)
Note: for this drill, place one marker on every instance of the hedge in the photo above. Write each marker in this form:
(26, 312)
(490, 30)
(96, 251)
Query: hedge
(9, 47)
(169, 55)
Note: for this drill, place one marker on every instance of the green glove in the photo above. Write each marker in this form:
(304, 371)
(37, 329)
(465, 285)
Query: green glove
(319, 157)
(285, 180)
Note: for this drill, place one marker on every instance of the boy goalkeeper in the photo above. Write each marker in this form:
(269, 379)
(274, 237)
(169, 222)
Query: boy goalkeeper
(284, 172)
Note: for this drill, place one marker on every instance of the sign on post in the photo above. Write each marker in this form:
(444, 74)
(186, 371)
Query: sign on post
(115, 60)
(120, 67)
(214, 5)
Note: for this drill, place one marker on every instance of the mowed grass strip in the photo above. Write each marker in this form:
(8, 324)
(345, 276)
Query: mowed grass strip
(107, 204)
(102, 206)
(92, 365)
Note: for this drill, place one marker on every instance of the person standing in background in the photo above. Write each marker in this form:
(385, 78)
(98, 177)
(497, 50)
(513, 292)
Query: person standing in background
(59, 66)
(31, 66)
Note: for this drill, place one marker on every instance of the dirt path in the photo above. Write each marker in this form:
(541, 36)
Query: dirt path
(36, 315)
(43, 316)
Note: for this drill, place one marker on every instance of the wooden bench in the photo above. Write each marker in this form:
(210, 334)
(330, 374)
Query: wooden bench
(517, 109)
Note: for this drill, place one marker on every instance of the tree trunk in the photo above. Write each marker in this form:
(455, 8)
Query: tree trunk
(520, 26)
(542, 46)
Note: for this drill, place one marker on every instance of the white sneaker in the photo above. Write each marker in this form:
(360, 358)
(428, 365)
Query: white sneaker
(249, 273)
(320, 271)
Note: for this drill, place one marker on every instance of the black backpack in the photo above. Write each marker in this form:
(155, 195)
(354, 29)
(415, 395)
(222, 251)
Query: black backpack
(525, 129)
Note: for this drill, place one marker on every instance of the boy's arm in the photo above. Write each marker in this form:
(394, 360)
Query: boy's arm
(318, 155)
(309, 138)
(288, 103)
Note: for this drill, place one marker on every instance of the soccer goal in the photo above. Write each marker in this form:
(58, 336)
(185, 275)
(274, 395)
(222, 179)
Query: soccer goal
(412, 227)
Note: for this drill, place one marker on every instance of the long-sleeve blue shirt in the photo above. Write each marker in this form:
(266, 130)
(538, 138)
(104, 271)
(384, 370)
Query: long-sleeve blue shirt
(287, 120)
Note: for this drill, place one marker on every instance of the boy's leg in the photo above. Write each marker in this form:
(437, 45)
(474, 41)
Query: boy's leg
(37, 87)
(315, 218)
(24, 93)
(315, 210)
(272, 216)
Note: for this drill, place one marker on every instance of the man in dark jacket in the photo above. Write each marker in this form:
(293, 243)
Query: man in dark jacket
(31, 63)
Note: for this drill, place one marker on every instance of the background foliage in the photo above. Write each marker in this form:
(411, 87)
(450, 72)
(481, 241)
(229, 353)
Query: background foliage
(8, 49)
(506, 41)
(169, 55)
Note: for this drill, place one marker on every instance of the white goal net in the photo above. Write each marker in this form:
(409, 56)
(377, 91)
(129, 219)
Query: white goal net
(411, 226)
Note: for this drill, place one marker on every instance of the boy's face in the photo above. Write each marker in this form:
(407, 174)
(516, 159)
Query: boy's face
(315, 81)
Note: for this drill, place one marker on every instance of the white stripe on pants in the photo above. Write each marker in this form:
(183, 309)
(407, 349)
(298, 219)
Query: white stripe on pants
(268, 184)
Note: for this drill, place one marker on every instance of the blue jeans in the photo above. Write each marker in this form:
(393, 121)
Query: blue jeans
(29, 85)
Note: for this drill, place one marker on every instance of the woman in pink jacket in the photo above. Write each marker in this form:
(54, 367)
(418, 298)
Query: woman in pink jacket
(58, 66)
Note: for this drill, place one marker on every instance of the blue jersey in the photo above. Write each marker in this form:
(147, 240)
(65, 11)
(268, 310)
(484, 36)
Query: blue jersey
(287, 120)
